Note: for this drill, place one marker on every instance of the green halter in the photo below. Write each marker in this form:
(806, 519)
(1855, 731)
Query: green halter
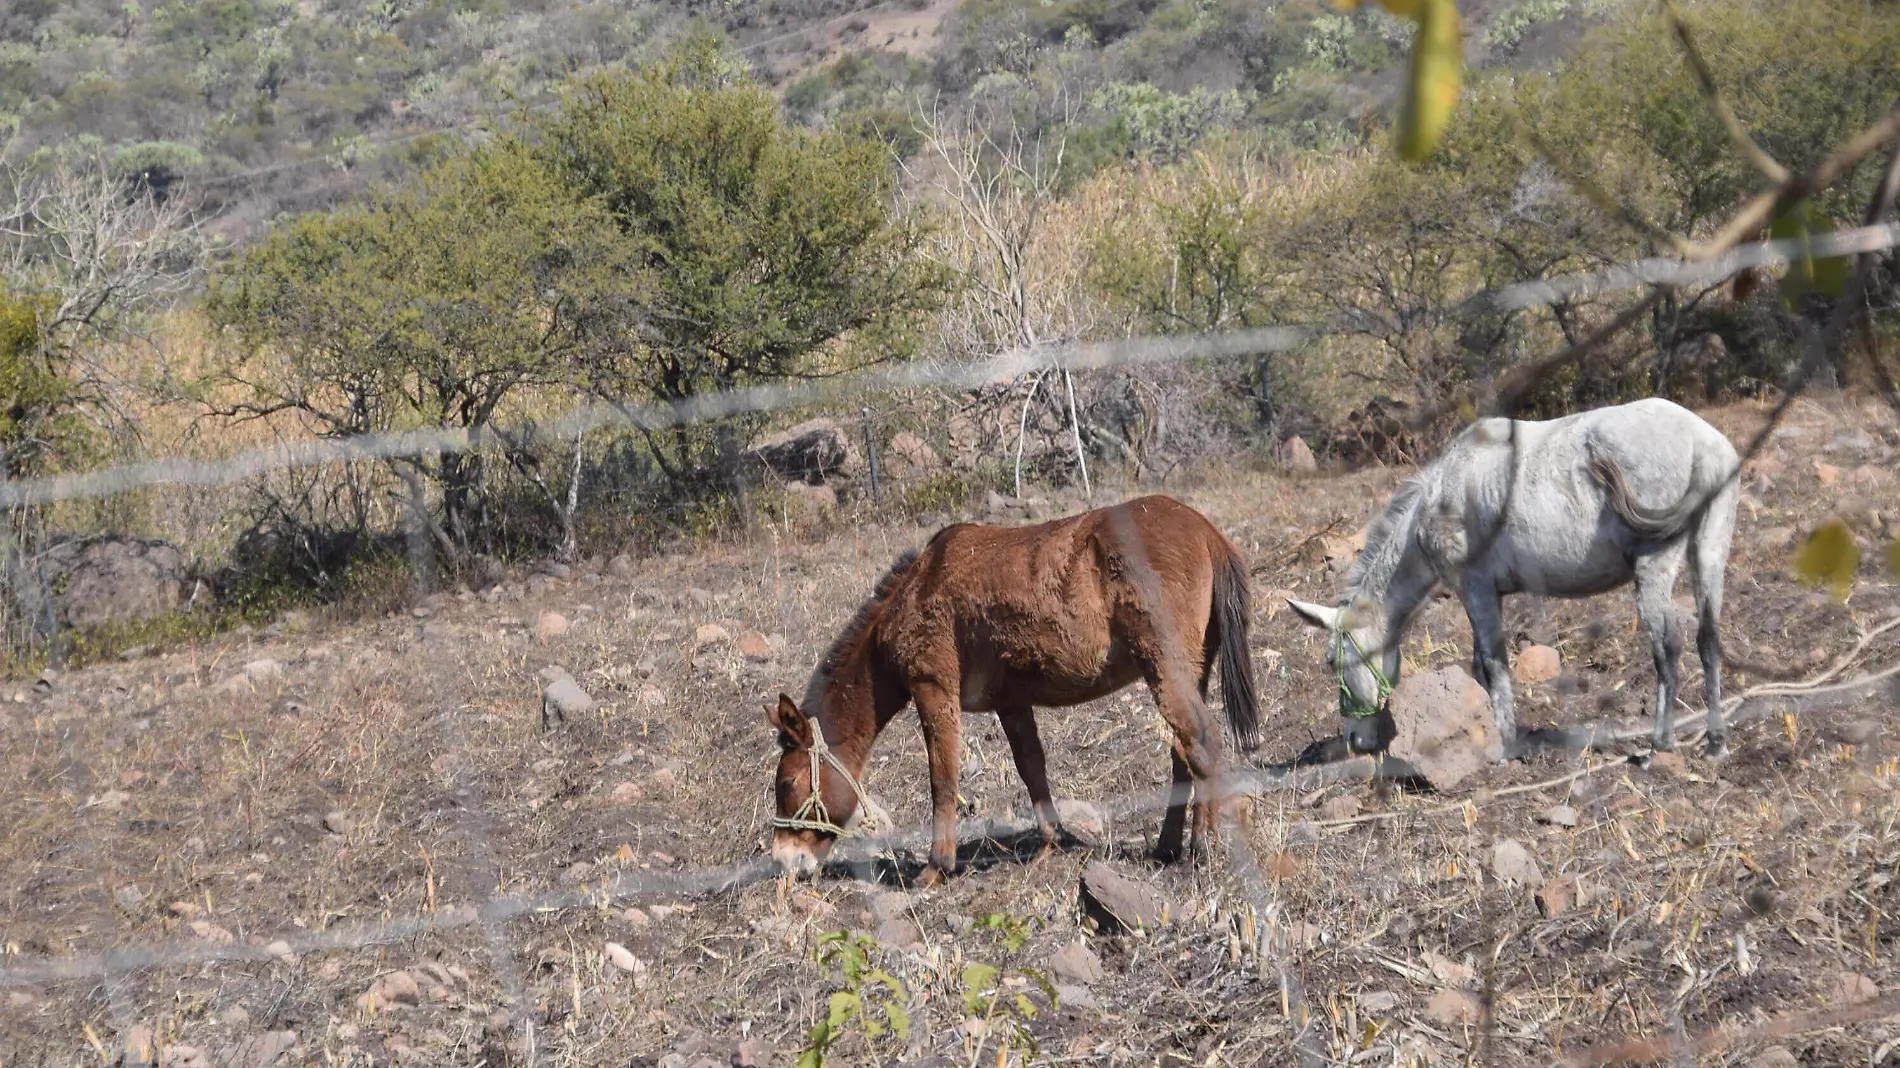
(1349, 704)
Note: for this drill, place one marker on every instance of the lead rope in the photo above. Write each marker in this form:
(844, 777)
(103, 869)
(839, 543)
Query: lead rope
(812, 815)
(1349, 703)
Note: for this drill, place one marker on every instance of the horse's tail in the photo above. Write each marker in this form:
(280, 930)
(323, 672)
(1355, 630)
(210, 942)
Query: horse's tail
(1660, 524)
(1232, 614)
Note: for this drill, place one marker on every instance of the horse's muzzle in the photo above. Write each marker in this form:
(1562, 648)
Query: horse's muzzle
(799, 852)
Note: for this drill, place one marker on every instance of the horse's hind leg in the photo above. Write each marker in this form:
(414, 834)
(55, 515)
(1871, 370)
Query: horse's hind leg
(1196, 760)
(1656, 608)
(1025, 744)
(1707, 565)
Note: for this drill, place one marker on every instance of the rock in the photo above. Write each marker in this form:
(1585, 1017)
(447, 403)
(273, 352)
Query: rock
(561, 698)
(622, 958)
(1513, 863)
(211, 932)
(1116, 902)
(129, 896)
(1077, 962)
(549, 626)
(1080, 998)
(1537, 663)
(636, 918)
(140, 1047)
(890, 905)
(621, 566)
(754, 1053)
(1559, 816)
(1081, 819)
(909, 455)
(279, 949)
(625, 794)
(1442, 726)
(1851, 988)
(260, 671)
(710, 634)
(755, 647)
(391, 990)
(259, 1051)
(338, 823)
(1376, 1001)
(1297, 457)
(182, 1056)
(1774, 1057)
(898, 933)
(107, 579)
(1827, 473)
(808, 452)
(1563, 893)
(1452, 1008)
(1343, 807)
(808, 506)
(1668, 763)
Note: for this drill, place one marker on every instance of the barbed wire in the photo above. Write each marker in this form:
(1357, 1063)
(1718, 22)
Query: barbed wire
(940, 374)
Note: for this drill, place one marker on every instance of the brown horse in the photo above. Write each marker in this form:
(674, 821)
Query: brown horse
(1001, 619)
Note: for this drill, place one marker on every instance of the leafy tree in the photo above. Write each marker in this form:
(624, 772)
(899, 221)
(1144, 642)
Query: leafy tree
(757, 245)
(433, 305)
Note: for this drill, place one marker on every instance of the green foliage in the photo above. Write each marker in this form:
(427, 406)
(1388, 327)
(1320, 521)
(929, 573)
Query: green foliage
(757, 244)
(868, 998)
(38, 421)
(999, 995)
(1514, 23)
(1161, 125)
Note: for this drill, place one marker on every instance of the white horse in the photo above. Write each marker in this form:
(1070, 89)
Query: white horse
(1570, 507)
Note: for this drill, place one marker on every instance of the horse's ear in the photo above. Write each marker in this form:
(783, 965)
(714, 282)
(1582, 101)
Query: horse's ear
(1317, 615)
(785, 716)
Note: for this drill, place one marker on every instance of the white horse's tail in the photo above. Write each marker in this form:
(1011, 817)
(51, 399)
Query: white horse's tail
(1660, 524)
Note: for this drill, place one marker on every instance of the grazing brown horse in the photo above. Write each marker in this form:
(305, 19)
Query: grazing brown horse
(1002, 619)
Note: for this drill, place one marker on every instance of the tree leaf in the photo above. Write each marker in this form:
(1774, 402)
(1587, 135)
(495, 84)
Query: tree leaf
(1893, 558)
(1827, 275)
(838, 1012)
(1437, 74)
(899, 1018)
(1829, 557)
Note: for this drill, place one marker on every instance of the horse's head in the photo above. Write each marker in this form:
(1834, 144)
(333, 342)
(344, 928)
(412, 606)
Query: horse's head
(805, 826)
(1362, 660)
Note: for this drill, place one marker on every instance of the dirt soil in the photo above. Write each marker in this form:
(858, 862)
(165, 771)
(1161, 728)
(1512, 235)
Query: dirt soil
(352, 843)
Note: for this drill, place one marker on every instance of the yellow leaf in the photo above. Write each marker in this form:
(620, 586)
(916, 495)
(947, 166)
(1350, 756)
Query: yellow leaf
(1431, 92)
(1829, 557)
(1893, 558)
(1806, 274)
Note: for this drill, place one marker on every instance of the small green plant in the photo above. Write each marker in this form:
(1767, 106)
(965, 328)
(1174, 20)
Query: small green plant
(867, 993)
(999, 995)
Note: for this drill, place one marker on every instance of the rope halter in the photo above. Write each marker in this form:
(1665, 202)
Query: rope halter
(812, 815)
(1349, 704)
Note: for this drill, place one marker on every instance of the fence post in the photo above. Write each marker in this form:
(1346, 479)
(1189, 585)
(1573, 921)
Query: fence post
(870, 455)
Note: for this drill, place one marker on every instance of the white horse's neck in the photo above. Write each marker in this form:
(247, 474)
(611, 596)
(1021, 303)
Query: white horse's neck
(1392, 572)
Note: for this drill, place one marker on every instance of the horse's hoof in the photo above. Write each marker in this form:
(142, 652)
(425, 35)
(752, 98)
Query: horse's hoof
(1717, 749)
(1167, 855)
(932, 876)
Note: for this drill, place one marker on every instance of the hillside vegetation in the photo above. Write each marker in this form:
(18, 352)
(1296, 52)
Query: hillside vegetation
(710, 218)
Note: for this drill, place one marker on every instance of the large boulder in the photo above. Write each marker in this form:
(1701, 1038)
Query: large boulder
(809, 452)
(98, 581)
(1442, 726)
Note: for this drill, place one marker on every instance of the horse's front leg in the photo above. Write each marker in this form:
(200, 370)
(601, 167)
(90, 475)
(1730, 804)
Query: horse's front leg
(1025, 744)
(942, 716)
(1489, 660)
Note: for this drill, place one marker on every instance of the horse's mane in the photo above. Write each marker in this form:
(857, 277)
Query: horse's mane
(1386, 539)
(854, 631)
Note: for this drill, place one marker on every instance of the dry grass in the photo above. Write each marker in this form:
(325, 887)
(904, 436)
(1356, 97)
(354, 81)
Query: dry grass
(154, 794)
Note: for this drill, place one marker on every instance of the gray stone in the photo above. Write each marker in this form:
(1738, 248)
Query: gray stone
(809, 452)
(1078, 963)
(1115, 902)
(1297, 457)
(1513, 863)
(561, 698)
(1559, 816)
(1442, 726)
(1079, 998)
(103, 580)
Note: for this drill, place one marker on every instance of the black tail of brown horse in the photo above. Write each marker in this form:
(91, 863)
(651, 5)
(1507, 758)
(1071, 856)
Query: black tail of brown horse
(1227, 629)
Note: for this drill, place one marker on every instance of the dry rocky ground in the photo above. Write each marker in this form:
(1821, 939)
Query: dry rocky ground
(277, 845)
